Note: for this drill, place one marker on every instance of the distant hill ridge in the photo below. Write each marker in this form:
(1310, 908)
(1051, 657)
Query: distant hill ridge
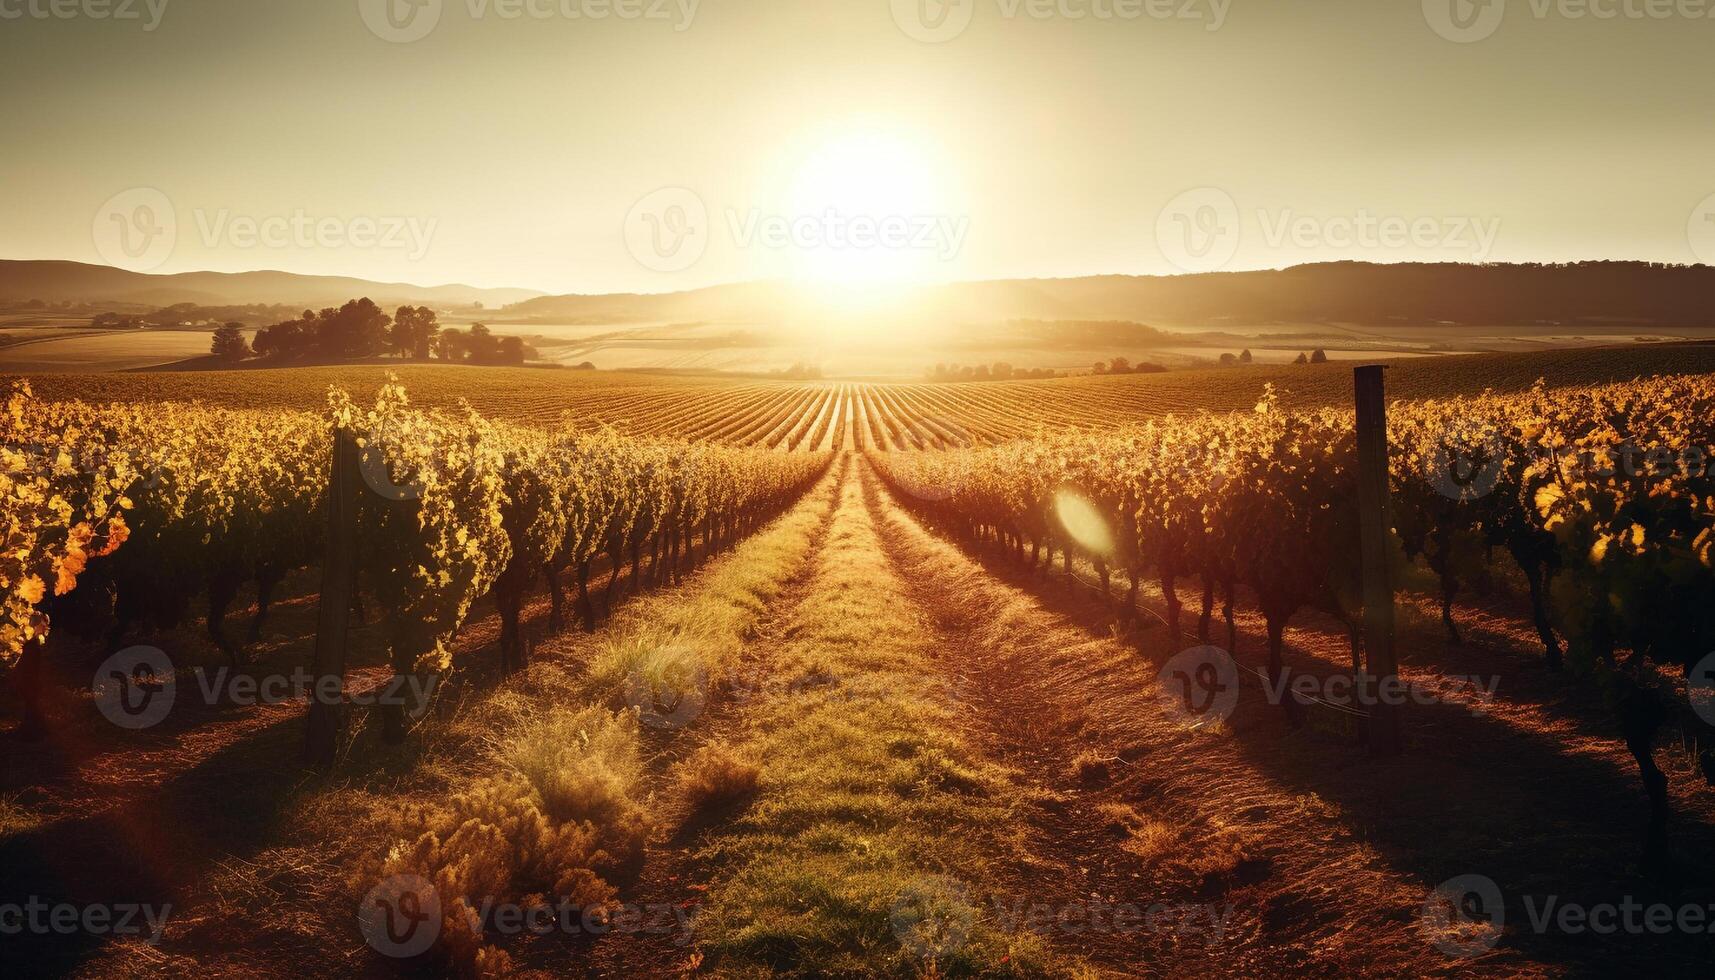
(1602, 293)
(54, 281)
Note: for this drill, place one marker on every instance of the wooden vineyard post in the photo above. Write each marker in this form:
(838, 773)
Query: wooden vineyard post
(339, 573)
(1380, 669)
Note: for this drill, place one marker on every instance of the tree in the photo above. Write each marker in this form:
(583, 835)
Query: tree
(511, 350)
(1001, 371)
(357, 329)
(1245, 356)
(1101, 367)
(1120, 366)
(413, 333)
(229, 344)
(1319, 357)
(449, 345)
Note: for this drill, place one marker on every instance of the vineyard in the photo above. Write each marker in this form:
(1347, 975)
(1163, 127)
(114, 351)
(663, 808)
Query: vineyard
(848, 648)
(145, 509)
(822, 416)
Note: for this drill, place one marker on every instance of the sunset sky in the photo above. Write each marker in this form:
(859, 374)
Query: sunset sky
(516, 151)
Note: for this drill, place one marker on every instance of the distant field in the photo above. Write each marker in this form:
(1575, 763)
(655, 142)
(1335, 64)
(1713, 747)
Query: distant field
(861, 415)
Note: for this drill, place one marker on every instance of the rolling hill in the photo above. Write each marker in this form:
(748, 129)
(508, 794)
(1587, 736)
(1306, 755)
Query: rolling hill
(77, 282)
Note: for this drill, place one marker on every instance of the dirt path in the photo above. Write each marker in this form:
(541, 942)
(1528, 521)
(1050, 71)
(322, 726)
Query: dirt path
(1331, 854)
(673, 873)
(1148, 848)
(923, 714)
(1146, 812)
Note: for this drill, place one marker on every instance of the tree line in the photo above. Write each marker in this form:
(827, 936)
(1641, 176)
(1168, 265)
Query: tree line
(999, 371)
(361, 329)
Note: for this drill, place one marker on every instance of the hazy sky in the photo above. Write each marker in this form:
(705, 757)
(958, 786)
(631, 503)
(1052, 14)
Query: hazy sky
(828, 138)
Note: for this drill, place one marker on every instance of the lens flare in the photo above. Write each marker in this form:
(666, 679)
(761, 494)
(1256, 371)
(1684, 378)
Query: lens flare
(1083, 522)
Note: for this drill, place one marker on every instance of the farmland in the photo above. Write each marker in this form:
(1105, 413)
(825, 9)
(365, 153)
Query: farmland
(859, 414)
(669, 621)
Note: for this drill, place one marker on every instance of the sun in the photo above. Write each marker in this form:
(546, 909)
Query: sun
(867, 207)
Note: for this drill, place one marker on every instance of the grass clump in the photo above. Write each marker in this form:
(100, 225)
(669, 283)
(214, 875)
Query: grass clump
(716, 780)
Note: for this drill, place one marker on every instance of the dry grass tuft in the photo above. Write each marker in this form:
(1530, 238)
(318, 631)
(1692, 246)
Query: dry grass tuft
(1092, 769)
(15, 818)
(1208, 856)
(716, 780)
